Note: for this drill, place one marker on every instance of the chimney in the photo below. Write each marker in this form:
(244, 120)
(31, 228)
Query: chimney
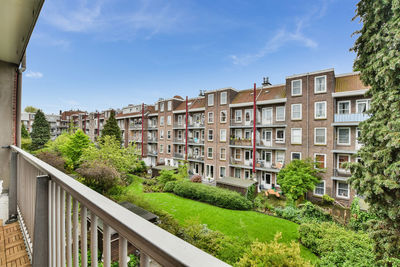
(266, 81)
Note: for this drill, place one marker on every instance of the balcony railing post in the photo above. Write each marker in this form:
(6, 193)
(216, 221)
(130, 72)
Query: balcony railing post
(41, 226)
(12, 193)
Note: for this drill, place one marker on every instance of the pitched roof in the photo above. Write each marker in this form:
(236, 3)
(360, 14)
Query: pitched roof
(349, 82)
(198, 102)
(267, 93)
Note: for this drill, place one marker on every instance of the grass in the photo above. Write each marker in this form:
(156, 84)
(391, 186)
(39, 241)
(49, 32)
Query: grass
(233, 223)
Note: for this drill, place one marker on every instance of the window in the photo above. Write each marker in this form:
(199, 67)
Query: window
(169, 149)
(248, 134)
(161, 148)
(343, 136)
(320, 136)
(210, 135)
(319, 189)
(210, 171)
(180, 120)
(222, 154)
(222, 171)
(280, 113)
(169, 105)
(161, 134)
(296, 155)
(358, 135)
(320, 160)
(222, 135)
(238, 133)
(280, 157)
(280, 136)
(224, 98)
(223, 116)
(169, 122)
(320, 84)
(210, 152)
(342, 189)
(296, 111)
(211, 99)
(210, 117)
(296, 136)
(162, 121)
(169, 134)
(296, 87)
(237, 154)
(238, 115)
(344, 107)
(237, 172)
(156, 107)
(363, 105)
(246, 174)
(180, 149)
(248, 155)
(179, 135)
(320, 110)
(341, 159)
(162, 106)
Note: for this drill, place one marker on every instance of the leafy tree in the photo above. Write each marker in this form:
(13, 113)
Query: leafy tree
(24, 131)
(30, 109)
(376, 177)
(74, 147)
(298, 177)
(40, 131)
(111, 128)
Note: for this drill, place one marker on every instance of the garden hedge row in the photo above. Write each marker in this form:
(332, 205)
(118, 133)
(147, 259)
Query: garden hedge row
(209, 194)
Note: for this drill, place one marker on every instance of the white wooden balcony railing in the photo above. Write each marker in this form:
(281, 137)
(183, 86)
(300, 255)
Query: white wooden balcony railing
(353, 117)
(53, 209)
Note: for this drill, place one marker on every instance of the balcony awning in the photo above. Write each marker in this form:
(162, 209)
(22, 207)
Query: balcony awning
(17, 20)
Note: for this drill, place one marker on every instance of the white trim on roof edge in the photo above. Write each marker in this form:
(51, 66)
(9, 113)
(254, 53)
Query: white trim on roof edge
(309, 73)
(350, 93)
(347, 74)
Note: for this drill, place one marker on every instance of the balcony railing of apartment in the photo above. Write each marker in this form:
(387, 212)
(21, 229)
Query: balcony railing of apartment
(54, 209)
(180, 125)
(195, 141)
(240, 142)
(353, 117)
(135, 126)
(341, 173)
(152, 153)
(179, 155)
(241, 124)
(177, 140)
(152, 126)
(197, 124)
(151, 139)
(195, 157)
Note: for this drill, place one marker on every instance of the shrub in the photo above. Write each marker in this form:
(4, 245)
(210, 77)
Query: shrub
(149, 182)
(336, 245)
(169, 186)
(359, 219)
(52, 158)
(309, 211)
(166, 176)
(196, 178)
(74, 147)
(140, 168)
(326, 199)
(99, 176)
(273, 253)
(251, 193)
(26, 144)
(213, 195)
(290, 213)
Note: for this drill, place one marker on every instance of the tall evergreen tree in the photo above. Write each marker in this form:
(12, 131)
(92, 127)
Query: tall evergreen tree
(111, 128)
(24, 131)
(377, 176)
(40, 131)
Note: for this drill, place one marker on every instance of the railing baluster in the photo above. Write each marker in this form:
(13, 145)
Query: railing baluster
(62, 212)
(106, 245)
(69, 238)
(144, 259)
(58, 226)
(93, 235)
(50, 222)
(122, 251)
(53, 223)
(75, 238)
(83, 236)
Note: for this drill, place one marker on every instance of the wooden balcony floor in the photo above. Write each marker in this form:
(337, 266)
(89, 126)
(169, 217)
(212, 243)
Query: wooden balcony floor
(12, 246)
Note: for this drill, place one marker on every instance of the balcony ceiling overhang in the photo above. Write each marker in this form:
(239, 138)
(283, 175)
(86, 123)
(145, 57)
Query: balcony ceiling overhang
(17, 20)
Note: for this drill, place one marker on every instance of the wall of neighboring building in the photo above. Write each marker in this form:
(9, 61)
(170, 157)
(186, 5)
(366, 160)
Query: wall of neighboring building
(7, 117)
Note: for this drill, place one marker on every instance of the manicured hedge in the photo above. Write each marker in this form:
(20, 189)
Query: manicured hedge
(209, 194)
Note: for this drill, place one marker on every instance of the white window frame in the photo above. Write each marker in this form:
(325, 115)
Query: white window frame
(208, 135)
(363, 100)
(291, 154)
(210, 149)
(240, 154)
(301, 136)
(224, 96)
(338, 139)
(279, 141)
(276, 113)
(169, 105)
(337, 161)
(320, 154)
(247, 173)
(315, 135)
(221, 131)
(210, 100)
(315, 110)
(179, 135)
(315, 84)
(161, 148)
(343, 101)
(320, 195)
(220, 168)
(180, 119)
(241, 115)
(161, 134)
(169, 134)
(220, 153)
(226, 116)
(210, 117)
(276, 156)
(301, 89)
(169, 149)
(162, 121)
(208, 171)
(169, 120)
(337, 190)
(162, 107)
(301, 112)
(156, 107)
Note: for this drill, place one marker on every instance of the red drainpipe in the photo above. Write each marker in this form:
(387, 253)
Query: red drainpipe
(254, 129)
(142, 129)
(186, 130)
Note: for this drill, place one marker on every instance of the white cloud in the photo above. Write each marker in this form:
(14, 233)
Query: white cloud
(34, 74)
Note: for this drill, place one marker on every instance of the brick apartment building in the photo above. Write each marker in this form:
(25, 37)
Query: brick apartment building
(313, 115)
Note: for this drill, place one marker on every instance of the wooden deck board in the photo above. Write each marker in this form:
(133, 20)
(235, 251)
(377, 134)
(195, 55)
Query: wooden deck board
(12, 246)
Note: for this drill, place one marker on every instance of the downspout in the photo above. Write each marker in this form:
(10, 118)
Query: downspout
(98, 124)
(254, 131)
(18, 95)
(308, 126)
(142, 130)
(186, 130)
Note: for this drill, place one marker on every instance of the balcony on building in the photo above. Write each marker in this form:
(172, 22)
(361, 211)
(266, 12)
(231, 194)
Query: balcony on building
(351, 119)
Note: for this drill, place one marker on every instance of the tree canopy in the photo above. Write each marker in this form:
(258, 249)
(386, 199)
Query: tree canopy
(111, 128)
(24, 131)
(377, 176)
(30, 109)
(40, 131)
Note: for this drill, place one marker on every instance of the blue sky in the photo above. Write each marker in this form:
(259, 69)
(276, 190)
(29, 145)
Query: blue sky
(97, 54)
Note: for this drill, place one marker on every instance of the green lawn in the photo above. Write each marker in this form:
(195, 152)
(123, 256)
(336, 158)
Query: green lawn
(230, 222)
